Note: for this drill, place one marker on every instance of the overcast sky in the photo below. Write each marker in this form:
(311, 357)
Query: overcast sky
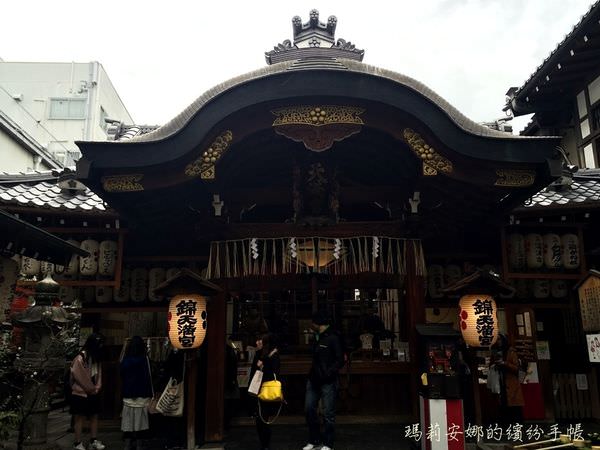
(161, 55)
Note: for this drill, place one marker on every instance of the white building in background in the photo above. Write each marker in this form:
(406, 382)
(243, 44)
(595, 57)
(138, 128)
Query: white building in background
(56, 104)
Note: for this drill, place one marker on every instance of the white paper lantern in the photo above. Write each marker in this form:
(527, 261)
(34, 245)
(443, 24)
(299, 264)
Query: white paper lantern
(552, 251)
(72, 268)
(30, 267)
(187, 321)
(104, 294)
(452, 274)
(478, 320)
(534, 248)
(156, 276)
(88, 294)
(88, 265)
(121, 293)
(67, 294)
(522, 288)
(46, 268)
(541, 288)
(107, 258)
(435, 281)
(139, 284)
(559, 288)
(570, 251)
(516, 251)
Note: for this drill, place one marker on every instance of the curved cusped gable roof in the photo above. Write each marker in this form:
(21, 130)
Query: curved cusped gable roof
(329, 64)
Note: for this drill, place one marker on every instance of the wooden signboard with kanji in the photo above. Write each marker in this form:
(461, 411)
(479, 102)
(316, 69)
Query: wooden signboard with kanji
(589, 301)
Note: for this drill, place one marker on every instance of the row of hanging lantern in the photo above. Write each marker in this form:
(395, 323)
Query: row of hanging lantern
(137, 285)
(548, 251)
(539, 289)
(102, 261)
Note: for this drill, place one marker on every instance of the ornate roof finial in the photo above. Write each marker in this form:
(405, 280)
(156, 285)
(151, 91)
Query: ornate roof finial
(313, 38)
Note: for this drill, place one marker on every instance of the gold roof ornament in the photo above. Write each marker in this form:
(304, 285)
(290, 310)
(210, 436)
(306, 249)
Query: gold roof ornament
(122, 183)
(433, 162)
(318, 127)
(205, 165)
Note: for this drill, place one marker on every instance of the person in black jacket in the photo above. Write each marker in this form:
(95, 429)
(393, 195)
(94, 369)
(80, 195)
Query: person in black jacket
(136, 390)
(267, 360)
(322, 384)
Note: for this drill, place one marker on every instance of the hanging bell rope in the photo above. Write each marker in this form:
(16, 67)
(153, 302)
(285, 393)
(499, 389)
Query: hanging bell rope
(337, 256)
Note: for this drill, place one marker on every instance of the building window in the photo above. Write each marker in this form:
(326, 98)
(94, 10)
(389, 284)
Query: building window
(581, 104)
(589, 158)
(67, 108)
(594, 91)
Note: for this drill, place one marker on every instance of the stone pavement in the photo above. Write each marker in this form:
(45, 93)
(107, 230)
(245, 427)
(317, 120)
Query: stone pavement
(288, 434)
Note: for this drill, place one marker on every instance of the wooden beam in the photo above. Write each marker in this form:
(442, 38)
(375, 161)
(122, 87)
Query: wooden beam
(283, 195)
(340, 230)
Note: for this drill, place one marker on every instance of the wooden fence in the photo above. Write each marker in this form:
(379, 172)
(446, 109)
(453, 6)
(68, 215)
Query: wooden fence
(570, 402)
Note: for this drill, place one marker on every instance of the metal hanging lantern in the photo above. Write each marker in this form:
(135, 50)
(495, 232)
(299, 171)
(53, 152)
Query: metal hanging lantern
(478, 320)
(187, 321)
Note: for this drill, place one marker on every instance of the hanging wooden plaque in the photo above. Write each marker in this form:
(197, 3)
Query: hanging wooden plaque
(589, 303)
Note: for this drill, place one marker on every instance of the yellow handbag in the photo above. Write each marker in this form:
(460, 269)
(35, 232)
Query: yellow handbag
(271, 391)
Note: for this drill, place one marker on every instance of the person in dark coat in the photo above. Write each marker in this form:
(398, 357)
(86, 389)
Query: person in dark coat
(137, 391)
(267, 360)
(323, 384)
(511, 394)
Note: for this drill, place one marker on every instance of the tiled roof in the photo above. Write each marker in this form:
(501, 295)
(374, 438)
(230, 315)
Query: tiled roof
(584, 192)
(49, 195)
(118, 131)
(333, 64)
(559, 48)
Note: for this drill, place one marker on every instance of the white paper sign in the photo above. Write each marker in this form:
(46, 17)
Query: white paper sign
(542, 350)
(593, 343)
(582, 381)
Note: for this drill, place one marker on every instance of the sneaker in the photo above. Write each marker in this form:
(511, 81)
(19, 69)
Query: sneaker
(79, 446)
(96, 445)
(310, 446)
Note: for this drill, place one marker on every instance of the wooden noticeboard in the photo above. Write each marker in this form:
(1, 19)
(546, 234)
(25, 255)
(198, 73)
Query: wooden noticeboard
(589, 301)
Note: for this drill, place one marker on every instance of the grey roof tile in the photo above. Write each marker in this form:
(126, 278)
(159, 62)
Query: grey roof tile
(584, 191)
(47, 194)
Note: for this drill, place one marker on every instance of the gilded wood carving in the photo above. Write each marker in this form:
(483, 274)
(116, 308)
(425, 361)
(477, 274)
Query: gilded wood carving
(515, 177)
(318, 127)
(122, 183)
(433, 162)
(205, 165)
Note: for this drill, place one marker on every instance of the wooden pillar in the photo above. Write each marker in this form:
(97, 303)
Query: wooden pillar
(415, 308)
(215, 371)
(191, 361)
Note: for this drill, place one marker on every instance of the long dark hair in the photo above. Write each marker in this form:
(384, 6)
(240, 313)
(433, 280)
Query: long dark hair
(136, 348)
(269, 342)
(93, 346)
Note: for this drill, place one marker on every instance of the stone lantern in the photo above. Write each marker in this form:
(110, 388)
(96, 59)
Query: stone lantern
(41, 359)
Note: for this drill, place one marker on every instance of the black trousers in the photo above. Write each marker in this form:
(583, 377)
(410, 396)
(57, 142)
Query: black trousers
(268, 411)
